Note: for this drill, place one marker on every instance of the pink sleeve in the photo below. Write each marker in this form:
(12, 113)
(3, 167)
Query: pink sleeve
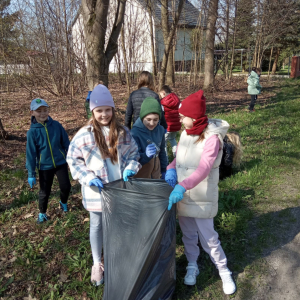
(172, 165)
(209, 155)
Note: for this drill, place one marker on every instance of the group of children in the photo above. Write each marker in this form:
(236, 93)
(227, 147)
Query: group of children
(104, 151)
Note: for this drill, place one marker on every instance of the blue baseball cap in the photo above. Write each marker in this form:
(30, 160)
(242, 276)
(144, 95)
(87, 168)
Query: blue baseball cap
(36, 103)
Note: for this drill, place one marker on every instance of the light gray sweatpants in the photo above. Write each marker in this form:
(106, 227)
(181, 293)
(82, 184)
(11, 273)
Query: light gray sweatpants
(96, 235)
(194, 228)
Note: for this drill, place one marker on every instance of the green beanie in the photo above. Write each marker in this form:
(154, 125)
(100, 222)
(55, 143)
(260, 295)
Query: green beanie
(150, 106)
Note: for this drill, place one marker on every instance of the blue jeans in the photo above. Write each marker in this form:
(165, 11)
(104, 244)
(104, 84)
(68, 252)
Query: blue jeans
(171, 137)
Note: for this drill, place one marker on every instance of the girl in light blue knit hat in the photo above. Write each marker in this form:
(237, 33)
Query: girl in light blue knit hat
(101, 152)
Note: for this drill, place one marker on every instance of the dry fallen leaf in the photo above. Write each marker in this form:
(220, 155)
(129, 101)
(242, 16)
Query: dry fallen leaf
(28, 216)
(86, 220)
(12, 259)
(48, 229)
(15, 231)
(7, 275)
(63, 277)
(29, 298)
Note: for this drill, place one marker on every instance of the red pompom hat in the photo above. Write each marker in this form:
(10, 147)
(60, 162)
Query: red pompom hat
(194, 106)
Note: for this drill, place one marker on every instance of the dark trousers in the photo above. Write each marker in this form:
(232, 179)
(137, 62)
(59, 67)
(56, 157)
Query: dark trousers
(252, 103)
(46, 181)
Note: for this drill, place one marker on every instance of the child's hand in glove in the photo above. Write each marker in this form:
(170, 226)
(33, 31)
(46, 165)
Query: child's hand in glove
(171, 177)
(176, 195)
(31, 181)
(127, 173)
(150, 150)
(96, 182)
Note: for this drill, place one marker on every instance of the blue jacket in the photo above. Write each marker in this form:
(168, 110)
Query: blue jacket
(142, 135)
(47, 146)
(254, 88)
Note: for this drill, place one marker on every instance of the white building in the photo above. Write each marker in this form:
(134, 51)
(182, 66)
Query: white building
(138, 37)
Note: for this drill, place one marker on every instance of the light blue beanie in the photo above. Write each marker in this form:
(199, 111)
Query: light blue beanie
(101, 96)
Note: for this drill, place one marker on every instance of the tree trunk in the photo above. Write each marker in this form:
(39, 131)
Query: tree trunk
(118, 61)
(125, 60)
(275, 61)
(234, 37)
(170, 69)
(95, 14)
(210, 43)
(3, 133)
(270, 60)
(150, 10)
(168, 36)
(227, 39)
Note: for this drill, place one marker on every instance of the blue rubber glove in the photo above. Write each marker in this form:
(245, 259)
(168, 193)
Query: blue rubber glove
(96, 182)
(176, 195)
(166, 130)
(127, 173)
(31, 181)
(163, 175)
(171, 177)
(150, 150)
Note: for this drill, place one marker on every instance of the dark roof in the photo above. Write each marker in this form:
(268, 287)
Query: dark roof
(190, 15)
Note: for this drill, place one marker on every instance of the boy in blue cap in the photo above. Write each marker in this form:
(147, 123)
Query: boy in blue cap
(46, 148)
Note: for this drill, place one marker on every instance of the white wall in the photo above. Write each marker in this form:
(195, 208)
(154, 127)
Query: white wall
(137, 40)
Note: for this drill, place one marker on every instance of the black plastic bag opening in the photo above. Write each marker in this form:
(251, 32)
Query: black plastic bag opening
(139, 238)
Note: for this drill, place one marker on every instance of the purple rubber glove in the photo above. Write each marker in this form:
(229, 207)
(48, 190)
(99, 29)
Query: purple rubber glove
(171, 177)
(31, 181)
(96, 182)
(176, 195)
(150, 150)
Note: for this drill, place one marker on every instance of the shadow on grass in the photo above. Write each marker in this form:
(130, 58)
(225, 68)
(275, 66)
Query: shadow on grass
(264, 234)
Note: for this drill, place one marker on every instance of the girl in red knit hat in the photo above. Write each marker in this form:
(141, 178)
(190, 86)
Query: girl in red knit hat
(196, 167)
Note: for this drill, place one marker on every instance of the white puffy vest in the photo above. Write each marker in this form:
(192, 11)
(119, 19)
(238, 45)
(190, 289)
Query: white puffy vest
(202, 200)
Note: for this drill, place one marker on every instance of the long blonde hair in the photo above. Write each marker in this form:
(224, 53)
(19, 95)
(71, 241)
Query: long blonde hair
(115, 129)
(235, 139)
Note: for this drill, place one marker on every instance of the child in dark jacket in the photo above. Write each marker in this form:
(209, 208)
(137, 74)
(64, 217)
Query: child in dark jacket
(232, 154)
(150, 138)
(46, 149)
(136, 98)
(170, 103)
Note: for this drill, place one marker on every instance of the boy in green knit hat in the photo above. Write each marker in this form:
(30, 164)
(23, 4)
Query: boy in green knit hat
(150, 138)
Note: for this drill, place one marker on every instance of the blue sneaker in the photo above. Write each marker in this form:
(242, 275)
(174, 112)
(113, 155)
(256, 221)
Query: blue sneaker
(63, 206)
(42, 218)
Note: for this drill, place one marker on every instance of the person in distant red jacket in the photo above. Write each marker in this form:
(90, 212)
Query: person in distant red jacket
(170, 103)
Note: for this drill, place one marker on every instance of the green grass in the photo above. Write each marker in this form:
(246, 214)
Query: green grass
(53, 261)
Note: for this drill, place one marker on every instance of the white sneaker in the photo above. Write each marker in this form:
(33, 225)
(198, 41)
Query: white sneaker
(191, 274)
(97, 274)
(228, 283)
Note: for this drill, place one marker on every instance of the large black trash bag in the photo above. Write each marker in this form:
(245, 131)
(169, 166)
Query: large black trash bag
(139, 238)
